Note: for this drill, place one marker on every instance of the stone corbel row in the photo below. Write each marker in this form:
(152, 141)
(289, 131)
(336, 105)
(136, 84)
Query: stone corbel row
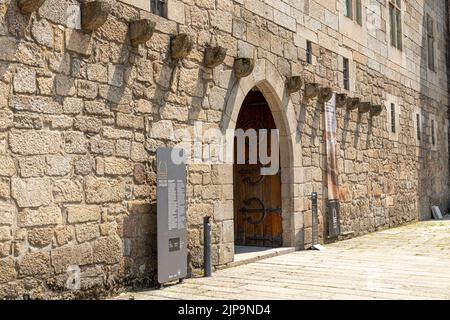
(363, 106)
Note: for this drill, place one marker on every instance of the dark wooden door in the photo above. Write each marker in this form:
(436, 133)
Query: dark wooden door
(257, 198)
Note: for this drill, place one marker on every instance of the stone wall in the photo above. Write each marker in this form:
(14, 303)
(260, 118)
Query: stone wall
(81, 116)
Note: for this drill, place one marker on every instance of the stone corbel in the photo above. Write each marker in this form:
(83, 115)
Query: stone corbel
(94, 14)
(376, 110)
(29, 6)
(243, 67)
(353, 103)
(341, 100)
(141, 31)
(325, 94)
(214, 56)
(364, 107)
(180, 46)
(311, 90)
(293, 84)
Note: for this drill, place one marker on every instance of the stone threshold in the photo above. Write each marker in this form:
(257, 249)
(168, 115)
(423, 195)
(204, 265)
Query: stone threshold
(245, 255)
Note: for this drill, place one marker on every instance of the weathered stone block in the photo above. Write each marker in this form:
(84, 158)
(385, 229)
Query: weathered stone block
(87, 89)
(40, 237)
(139, 174)
(31, 192)
(293, 84)
(180, 46)
(25, 80)
(162, 130)
(6, 214)
(75, 142)
(129, 121)
(58, 165)
(66, 190)
(29, 6)
(83, 213)
(108, 250)
(243, 67)
(86, 232)
(7, 270)
(63, 235)
(79, 42)
(35, 142)
(6, 119)
(32, 167)
(88, 124)
(123, 148)
(5, 190)
(5, 233)
(32, 264)
(116, 166)
(42, 32)
(141, 31)
(100, 190)
(70, 255)
(311, 90)
(325, 94)
(214, 56)
(94, 14)
(138, 152)
(97, 108)
(72, 105)
(7, 166)
(35, 104)
(44, 216)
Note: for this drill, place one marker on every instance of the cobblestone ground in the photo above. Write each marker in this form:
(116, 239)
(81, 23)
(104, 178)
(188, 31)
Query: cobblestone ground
(410, 262)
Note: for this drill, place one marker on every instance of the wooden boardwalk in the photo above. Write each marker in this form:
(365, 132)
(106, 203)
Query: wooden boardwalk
(410, 262)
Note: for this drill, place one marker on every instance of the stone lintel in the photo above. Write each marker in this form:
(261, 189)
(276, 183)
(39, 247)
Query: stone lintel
(141, 31)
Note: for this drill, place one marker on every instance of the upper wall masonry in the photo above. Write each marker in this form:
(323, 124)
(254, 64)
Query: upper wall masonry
(362, 34)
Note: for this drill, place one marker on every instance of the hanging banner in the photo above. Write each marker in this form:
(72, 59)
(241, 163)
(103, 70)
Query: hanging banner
(334, 228)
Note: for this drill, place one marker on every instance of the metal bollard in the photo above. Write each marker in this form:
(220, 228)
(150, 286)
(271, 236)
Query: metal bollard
(315, 220)
(207, 246)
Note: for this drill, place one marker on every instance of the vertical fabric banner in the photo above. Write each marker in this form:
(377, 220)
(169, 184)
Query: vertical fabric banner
(334, 228)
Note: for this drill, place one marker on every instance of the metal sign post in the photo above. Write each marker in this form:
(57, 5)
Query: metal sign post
(171, 207)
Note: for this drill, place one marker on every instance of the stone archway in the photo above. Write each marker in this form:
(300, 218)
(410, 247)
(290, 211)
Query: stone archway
(269, 81)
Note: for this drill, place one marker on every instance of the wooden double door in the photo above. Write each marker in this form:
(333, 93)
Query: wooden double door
(257, 198)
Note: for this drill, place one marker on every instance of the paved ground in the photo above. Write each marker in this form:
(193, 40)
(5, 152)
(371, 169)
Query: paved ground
(410, 262)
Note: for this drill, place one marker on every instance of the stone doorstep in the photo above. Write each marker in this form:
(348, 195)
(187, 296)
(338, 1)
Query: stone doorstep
(252, 254)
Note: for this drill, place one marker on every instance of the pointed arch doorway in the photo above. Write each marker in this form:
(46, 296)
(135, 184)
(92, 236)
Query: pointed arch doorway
(257, 198)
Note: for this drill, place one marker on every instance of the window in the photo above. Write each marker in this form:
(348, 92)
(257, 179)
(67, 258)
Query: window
(433, 133)
(346, 71)
(393, 126)
(348, 8)
(158, 7)
(395, 17)
(353, 10)
(430, 42)
(419, 133)
(309, 52)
